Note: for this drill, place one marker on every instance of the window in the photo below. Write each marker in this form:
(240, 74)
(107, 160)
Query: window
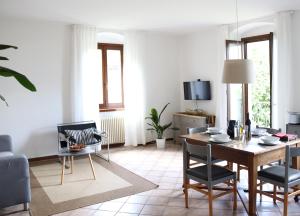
(112, 96)
(257, 96)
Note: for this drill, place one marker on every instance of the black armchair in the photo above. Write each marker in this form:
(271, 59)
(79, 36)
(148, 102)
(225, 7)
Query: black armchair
(82, 132)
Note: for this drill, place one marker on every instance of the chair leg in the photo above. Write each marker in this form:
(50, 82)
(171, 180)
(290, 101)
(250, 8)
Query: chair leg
(186, 192)
(92, 166)
(285, 207)
(274, 193)
(234, 195)
(72, 162)
(260, 189)
(238, 172)
(63, 171)
(26, 206)
(210, 199)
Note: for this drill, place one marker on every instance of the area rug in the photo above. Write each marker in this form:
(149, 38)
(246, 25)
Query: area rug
(79, 188)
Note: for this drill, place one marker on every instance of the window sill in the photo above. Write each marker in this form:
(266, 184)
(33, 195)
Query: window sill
(111, 109)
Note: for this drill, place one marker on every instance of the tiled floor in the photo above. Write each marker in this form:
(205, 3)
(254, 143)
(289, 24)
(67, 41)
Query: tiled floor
(164, 167)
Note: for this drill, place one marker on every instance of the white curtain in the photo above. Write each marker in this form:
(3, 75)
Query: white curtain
(134, 93)
(282, 69)
(221, 116)
(85, 80)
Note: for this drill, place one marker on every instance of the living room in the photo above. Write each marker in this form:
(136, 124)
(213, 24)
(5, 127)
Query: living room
(164, 44)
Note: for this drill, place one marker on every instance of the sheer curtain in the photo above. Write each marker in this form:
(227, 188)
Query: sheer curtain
(85, 80)
(282, 69)
(134, 93)
(221, 117)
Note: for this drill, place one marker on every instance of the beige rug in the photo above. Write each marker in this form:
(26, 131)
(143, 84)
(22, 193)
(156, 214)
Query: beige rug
(80, 189)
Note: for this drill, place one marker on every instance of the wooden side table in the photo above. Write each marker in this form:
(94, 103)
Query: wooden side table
(66, 153)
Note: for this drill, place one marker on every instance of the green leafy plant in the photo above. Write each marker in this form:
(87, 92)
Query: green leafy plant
(155, 124)
(6, 72)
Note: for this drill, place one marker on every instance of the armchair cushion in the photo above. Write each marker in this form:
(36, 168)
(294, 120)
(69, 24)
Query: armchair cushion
(14, 181)
(5, 154)
(86, 136)
(63, 137)
(5, 143)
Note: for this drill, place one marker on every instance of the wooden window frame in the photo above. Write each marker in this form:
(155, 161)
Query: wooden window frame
(105, 107)
(258, 38)
(244, 41)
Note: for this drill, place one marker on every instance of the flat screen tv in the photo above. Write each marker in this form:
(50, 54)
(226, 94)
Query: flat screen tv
(197, 90)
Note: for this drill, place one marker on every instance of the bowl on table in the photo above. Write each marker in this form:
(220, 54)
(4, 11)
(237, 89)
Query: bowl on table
(269, 139)
(214, 130)
(220, 138)
(259, 132)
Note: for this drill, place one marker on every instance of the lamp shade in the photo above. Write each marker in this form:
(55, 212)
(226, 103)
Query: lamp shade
(238, 71)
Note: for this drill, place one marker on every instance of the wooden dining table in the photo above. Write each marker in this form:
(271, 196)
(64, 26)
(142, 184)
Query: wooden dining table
(249, 153)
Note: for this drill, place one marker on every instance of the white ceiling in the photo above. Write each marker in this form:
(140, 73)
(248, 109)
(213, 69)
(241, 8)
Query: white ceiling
(161, 15)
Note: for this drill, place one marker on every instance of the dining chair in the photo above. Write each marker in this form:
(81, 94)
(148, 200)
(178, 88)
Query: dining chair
(208, 176)
(242, 167)
(282, 176)
(197, 158)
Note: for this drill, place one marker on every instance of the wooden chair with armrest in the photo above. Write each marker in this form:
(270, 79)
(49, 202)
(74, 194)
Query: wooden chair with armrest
(282, 176)
(208, 176)
(200, 159)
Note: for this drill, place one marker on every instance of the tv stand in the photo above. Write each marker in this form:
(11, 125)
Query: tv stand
(184, 120)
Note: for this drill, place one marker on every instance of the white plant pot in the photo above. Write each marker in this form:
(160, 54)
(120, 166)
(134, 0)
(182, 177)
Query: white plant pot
(161, 143)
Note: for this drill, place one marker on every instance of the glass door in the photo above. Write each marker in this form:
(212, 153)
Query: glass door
(259, 94)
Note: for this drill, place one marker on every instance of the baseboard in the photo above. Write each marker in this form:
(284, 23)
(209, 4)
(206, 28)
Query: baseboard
(49, 157)
(115, 145)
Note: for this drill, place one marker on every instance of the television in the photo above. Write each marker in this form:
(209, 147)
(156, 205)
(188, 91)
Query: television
(197, 90)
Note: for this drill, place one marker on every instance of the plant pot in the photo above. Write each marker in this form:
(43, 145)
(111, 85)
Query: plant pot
(161, 143)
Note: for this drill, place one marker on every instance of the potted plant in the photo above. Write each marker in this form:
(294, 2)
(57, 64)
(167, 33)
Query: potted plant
(6, 72)
(155, 125)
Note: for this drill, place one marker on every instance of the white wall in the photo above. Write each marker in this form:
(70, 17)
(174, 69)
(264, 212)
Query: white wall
(198, 58)
(295, 97)
(162, 75)
(43, 56)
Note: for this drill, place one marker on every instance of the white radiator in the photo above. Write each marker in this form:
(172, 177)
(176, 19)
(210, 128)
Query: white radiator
(113, 124)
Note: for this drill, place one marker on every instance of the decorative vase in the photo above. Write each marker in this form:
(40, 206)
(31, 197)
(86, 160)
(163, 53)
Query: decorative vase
(161, 143)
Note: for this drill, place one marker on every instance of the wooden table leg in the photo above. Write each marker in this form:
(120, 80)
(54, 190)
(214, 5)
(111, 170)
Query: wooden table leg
(252, 184)
(63, 170)
(92, 166)
(186, 159)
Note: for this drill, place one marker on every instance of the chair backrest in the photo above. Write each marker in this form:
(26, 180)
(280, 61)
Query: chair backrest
(200, 150)
(294, 152)
(196, 130)
(270, 130)
(290, 153)
(75, 126)
(61, 128)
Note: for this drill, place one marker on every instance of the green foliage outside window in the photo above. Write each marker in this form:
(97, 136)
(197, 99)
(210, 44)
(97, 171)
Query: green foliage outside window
(260, 96)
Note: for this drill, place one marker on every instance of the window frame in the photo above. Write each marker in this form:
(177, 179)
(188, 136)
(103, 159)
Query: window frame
(105, 106)
(244, 41)
(258, 38)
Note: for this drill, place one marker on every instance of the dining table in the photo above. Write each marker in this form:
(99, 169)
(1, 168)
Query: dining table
(248, 152)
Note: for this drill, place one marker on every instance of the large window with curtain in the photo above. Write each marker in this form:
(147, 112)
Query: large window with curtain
(256, 97)
(111, 91)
